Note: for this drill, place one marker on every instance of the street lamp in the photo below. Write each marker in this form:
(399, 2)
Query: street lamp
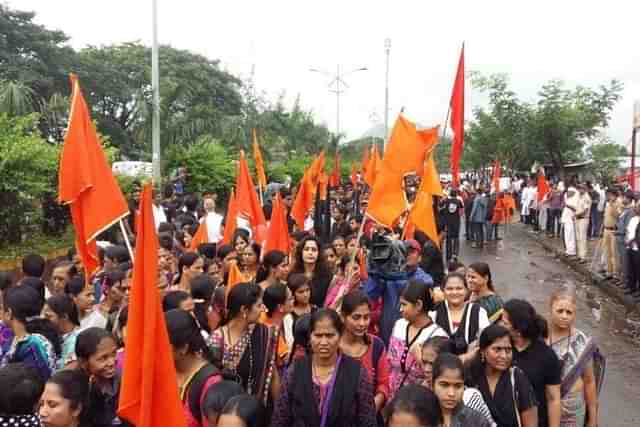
(337, 85)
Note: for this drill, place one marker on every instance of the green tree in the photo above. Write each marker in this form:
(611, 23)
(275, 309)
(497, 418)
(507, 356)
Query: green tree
(606, 156)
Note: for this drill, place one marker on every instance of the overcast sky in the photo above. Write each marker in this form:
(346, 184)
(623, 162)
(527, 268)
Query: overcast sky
(583, 42)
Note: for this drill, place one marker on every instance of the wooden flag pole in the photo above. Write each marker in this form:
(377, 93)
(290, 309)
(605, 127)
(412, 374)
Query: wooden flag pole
(125, 235)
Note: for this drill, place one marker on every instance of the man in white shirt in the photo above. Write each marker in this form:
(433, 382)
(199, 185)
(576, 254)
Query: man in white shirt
(159, 216)
(213, 221)
(582, 221)
(633, 253)
(567, 219)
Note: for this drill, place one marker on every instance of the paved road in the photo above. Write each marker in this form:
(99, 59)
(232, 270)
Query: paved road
(522, 268)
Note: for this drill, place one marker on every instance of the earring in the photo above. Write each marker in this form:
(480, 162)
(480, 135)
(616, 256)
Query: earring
(482, 357)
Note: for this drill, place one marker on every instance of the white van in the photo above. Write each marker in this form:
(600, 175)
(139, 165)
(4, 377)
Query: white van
(133, 168)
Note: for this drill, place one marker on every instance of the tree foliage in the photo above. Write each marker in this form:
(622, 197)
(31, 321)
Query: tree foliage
(606, 157)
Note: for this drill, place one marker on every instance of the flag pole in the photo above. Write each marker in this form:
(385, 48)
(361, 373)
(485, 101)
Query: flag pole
(125, 235)
(155, 85)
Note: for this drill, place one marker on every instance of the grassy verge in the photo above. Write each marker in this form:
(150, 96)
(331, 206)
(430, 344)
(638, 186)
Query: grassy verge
(47, 246)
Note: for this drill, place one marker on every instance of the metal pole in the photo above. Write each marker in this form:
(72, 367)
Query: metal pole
(387, 46)
(155, 83)
(338, 77)
(633, 159)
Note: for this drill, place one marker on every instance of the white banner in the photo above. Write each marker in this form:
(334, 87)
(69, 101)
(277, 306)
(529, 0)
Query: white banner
(636, 115)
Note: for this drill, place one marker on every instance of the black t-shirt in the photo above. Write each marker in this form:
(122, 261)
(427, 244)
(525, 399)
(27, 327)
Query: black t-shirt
(451, 211)
(541, 365)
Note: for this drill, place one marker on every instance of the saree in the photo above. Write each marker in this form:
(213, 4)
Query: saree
(576, 352)
(493, 305)
(35, 351)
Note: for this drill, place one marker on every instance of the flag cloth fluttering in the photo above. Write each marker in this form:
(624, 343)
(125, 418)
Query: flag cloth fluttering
(86, 181)
(457, 120)
(201, 236)
(149, 390)
(495, 179)
(303, 202)
(372, 168)
(278, 231)
(257, 156)
(231, 220)
(543, 186)
(334, 179)
(365, 159)
(430, 173)
(354, 174)
(247, 202)
(234, 278)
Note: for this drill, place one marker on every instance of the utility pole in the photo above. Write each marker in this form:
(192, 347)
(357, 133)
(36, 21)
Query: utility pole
(636, 126)
(387, 48)
(155, 84)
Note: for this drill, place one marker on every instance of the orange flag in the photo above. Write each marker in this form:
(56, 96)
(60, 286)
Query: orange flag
(354, 174)
(372, 168)
(323, 185)
(304, 200)
(543, 186)
(235, 277)
(457, 120)
(495, 180)
(422, 216)
(278, 232)
(247, 201)
(405, 154)
(149, 391)
(86, 182)
(230, 220)
(334, 179)
(201, 236)
(257, 155)
(430, 172)
(365, 159)
(316, 168)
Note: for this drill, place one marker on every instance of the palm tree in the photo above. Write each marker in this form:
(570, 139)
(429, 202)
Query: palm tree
(16, 98)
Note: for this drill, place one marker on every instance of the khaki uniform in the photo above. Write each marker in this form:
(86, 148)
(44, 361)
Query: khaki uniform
(582, 223)
(612, 211)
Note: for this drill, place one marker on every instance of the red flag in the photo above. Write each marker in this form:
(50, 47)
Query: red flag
(278, 232)
(231, 219)
(201, 236)
(457, 120)
(303, 201)
(86, 181)
(334, 179)
(149, 391)
(496, 175)
(247, 201)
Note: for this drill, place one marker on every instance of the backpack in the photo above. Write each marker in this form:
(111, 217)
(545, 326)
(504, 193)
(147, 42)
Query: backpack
(196, 386)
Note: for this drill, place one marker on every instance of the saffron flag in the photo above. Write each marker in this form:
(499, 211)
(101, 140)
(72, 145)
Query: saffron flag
(422, 216)
(495, 180)
(247, 202)
(149, 391)
(86, 182)
(278, 231)
(235, 277)
(457, 120)
(354, 174)
(303, 201)
(372, 168)
(334, 179)
(231, 220)
(257, 156)
(201, 236)
(365, 159)
(317, 166)
(430, 172)
(543, 186)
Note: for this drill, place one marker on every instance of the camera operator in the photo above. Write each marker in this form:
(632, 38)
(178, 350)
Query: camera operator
(389, 274)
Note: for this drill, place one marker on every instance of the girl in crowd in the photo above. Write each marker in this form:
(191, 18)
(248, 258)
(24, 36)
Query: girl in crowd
(462, 321)
(535, 358)
(61, 274)
(240, 240)
(190, 264)
(202, 295)
(278, 301)
(96, 351)
(326, 386)
(213, 269)
(249, 261)
(120, 332)
(482, 291)
(64, 401)
(409, 333)
(242, 411)
(309, 262)
(330, 258)
(83, 297)
(274, 269)
(21, 387)
(414, 406)
(115, 291)
(339, 246)
(246, 349)
(346, 279)
(368, 349)
(226, 254)
(471, 397)
(299, 286)
(36, 342)
(167, 264)
(195, 374)
(448, 385)
(352, 245)
(580, 360)
(216, 397)
(63, 314)
(505, 389)
(177, 300)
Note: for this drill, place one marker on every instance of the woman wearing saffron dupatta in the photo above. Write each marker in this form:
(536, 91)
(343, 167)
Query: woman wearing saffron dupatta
(583, 366)
(245, 349)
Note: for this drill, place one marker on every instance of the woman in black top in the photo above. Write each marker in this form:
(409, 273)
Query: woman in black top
(536, 359)
(311, 262)
(505, 389)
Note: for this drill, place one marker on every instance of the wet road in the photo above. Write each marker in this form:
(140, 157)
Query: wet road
(523, 269)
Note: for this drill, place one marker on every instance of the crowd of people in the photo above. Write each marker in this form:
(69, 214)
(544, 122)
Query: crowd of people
(331, 334)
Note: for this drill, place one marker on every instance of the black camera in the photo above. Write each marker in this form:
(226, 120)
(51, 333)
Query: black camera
(387, 255)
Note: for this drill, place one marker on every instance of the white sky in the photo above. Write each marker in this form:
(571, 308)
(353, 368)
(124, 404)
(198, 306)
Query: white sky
(584, 42)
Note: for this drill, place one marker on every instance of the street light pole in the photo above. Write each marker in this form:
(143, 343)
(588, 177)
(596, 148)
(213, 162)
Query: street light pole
(387, 48)
(155, 84)
(338, 102)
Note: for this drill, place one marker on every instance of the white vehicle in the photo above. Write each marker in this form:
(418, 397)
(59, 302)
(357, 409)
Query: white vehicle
(133, 168)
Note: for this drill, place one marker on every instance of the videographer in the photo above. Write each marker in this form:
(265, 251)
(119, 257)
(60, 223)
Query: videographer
(392, 264)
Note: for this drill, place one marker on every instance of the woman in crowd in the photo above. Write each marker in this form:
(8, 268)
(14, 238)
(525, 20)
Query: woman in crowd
(83, 297)
(505, 389)
(346, 279)
(63, 314)
(64, 401)
(195, 373)
(61, 274)
(21, 387)
(213, 269)
(309, 262)
(409, 333)
(240, 240)
(246, 349)
(368, 349)
(242, 411)
(167, 264)
(462, 321)
(216, 397)
(535, 358)
(299, 286)
(96, 350)
(115, 291)
(580, 360)
(278, 302)
(190, 264)
(482, 291)
(414, 406)
(339, 246)
(330, 258)
(274, 269)
(202, 295)
(448, 385)
(178, 300)
(325, 386)
(36, 342)
(471, 397)
(249, 258)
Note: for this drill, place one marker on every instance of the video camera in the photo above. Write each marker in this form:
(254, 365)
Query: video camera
(387, 255)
